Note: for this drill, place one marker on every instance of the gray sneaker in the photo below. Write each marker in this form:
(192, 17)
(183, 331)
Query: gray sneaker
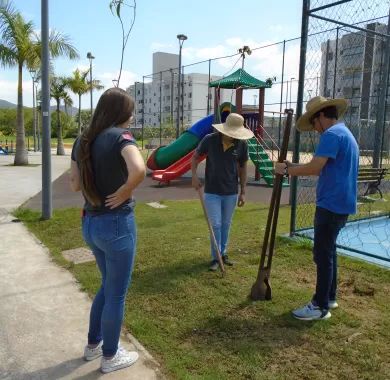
(333, 304)
(311, 312)
(122, 359)
(226, 261)
(213, 265)
(93, 353)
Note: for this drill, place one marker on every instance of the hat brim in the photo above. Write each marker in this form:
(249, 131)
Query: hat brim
(240, 133)
(303, 123)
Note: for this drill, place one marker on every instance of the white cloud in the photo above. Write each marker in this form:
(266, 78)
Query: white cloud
(127, 78)
(262, 63)
(157, 46)
(8, 91)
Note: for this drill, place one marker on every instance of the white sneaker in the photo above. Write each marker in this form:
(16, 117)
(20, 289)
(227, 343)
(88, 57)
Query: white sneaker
(311, 312)
(333, 304)
(122, 359)
(93, 353)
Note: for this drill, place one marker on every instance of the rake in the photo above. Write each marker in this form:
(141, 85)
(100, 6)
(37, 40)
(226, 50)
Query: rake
(261, 289)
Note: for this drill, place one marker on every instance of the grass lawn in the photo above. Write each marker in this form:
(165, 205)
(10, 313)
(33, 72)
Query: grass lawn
(201, 326)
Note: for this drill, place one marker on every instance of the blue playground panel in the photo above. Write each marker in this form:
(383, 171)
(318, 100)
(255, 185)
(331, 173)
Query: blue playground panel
(367, 239)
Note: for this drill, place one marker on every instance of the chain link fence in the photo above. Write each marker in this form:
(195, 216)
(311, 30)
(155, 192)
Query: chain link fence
(157, 97)
(347, 56)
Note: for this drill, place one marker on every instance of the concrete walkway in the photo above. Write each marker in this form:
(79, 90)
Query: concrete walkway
(43, 313)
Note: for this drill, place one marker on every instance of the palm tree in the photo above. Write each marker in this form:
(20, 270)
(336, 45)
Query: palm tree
(79, 85)
(20, 46)
(58, 92)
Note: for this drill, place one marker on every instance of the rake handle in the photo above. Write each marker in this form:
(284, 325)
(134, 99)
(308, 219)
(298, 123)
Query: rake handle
(214, 240)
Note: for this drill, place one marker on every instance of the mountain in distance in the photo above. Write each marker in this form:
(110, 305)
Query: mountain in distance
(4, 104)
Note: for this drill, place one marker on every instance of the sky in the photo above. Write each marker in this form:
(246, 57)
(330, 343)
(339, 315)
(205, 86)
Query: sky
(214, 28)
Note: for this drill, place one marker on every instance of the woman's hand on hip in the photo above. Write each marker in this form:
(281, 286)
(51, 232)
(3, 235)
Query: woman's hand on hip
(121, 195)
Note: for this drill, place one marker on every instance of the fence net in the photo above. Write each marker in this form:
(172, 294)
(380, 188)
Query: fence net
(343, 62)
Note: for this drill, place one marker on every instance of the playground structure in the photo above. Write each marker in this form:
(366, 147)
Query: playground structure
(172, 161)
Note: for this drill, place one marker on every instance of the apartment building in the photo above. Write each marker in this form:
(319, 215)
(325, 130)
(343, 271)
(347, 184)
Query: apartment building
(157, 97)
(351, 68)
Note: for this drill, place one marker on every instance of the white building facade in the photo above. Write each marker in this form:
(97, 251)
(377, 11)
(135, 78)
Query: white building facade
(157, 97)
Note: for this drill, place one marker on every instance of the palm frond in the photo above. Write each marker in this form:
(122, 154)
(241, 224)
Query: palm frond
(60, 45)
(8, 57)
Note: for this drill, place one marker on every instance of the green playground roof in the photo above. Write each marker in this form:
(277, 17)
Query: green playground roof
(240, 78)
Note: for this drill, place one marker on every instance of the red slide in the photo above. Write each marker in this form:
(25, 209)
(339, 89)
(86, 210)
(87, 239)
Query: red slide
(177, 169)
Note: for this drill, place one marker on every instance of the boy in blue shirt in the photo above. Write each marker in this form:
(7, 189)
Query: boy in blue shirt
(336, 162)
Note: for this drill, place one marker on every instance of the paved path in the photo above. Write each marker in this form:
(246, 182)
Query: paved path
(149, 191)
(43, 313)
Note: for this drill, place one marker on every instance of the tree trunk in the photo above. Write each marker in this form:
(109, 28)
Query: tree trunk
(79, 114)
(60, 142)
(21, 156)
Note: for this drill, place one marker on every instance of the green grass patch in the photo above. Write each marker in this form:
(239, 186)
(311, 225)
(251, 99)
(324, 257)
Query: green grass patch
(201, 326)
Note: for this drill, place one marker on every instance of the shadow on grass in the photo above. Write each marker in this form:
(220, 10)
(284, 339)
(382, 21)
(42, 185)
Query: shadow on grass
(249, 327)
(166, 277)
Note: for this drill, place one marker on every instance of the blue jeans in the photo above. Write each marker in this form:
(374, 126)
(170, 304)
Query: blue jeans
(112, 239)
(220, 210)
(327, 226)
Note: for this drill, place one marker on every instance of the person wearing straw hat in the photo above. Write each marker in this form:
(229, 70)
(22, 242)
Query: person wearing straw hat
(225, 174)
(335, 161)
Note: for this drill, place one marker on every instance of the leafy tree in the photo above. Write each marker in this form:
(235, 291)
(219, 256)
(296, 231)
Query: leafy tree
(58, 92)
(79, 85)
(68, 125)
(20, 46)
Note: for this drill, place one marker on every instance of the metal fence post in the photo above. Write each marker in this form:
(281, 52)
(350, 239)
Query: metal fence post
(46, 146)
(381, 111)
(302, 66)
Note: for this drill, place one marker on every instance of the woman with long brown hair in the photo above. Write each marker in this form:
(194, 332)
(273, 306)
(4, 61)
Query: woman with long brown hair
(107, 166)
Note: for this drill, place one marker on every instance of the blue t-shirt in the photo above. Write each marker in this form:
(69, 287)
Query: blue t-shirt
(337, 183)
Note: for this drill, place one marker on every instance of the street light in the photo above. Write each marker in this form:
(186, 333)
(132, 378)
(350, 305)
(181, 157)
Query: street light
(291, 79)
(181, 38)
(136, 102)
(33, 74)
(90, 57)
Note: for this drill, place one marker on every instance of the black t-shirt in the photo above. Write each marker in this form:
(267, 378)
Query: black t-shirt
(221, 167)
(108, 165)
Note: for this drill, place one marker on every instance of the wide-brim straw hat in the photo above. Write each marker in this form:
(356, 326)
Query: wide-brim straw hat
(317, 104)
(234, 127)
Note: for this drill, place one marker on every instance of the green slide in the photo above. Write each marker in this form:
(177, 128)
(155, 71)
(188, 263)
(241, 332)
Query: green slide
(262, 161)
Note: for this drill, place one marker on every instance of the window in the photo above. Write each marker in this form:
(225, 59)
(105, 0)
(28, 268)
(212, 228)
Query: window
(330, 56)
(354, 110)
(356, 92)
(190, 95)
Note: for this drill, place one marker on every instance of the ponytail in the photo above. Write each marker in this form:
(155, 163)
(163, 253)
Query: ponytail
(114, 107)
